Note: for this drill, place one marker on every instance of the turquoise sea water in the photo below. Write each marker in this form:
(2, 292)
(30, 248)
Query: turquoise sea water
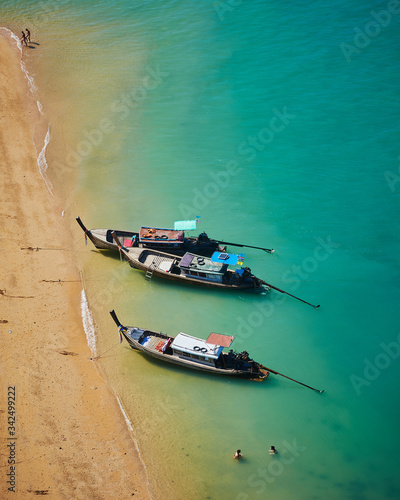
(278, 124)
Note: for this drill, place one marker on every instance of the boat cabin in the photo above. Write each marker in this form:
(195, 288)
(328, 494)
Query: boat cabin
(202, 351)
(202, 267)
(210, 269)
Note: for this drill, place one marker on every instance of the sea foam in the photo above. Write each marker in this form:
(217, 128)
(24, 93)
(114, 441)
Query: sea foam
(88, 323)
(129, 424)
(42, 162)
(41, 159)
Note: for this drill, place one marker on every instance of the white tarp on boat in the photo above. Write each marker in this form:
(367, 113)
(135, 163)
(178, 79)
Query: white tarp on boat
(192, 345)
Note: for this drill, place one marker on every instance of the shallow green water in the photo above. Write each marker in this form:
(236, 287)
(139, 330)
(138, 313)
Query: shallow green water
(257, 122)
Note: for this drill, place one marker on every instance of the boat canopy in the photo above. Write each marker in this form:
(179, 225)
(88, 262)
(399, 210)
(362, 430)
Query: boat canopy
(192, 345)
(228, 258)
(160, 235)
(185, 225)
(220, 339)
(204, 264)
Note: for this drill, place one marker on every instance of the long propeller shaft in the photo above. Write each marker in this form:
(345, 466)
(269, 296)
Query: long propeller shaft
(297, 382)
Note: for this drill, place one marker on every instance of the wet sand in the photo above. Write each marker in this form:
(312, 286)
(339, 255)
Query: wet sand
(69, 438)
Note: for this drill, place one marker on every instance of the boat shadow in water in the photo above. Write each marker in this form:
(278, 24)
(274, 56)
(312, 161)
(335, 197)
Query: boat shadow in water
(273, 382)
(160, 282)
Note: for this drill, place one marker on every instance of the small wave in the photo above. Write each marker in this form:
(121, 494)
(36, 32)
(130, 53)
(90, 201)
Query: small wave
(40, 107)
(88, 324)
(42, 163)
(31, 81)
(129, 423)
(41, 160)
(13, 36)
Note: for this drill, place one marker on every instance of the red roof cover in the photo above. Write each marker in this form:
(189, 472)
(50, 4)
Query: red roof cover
(220, 339)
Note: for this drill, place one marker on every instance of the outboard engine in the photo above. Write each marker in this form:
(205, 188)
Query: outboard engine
(203, 238)
(246, 272)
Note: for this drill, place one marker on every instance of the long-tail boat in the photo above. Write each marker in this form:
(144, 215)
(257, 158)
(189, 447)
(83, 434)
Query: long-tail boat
(192, 352)
(198, 354)
(194, 269)
(173, 241)
(177, 264)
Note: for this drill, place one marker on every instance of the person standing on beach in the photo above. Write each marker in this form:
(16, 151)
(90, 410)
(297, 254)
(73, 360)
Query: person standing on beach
(23, 39)
(28, 35)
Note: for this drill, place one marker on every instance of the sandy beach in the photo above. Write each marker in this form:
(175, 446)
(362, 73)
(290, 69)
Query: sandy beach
(62, 432)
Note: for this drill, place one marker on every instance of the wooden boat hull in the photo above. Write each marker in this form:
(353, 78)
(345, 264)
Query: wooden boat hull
(133, 335)
(188, 364)
(133, 256)
(102, 239)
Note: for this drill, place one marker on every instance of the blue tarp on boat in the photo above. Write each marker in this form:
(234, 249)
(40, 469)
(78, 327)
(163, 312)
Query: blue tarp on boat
(227, 258)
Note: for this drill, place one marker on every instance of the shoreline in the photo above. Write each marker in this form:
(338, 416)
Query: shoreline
(70, 438)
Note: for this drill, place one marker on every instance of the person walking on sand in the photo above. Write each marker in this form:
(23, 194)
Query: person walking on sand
(23, 39)
(238, 455)
(28, 35)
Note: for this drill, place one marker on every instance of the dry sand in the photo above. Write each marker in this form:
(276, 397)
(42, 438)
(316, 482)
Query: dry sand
(71, 440)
